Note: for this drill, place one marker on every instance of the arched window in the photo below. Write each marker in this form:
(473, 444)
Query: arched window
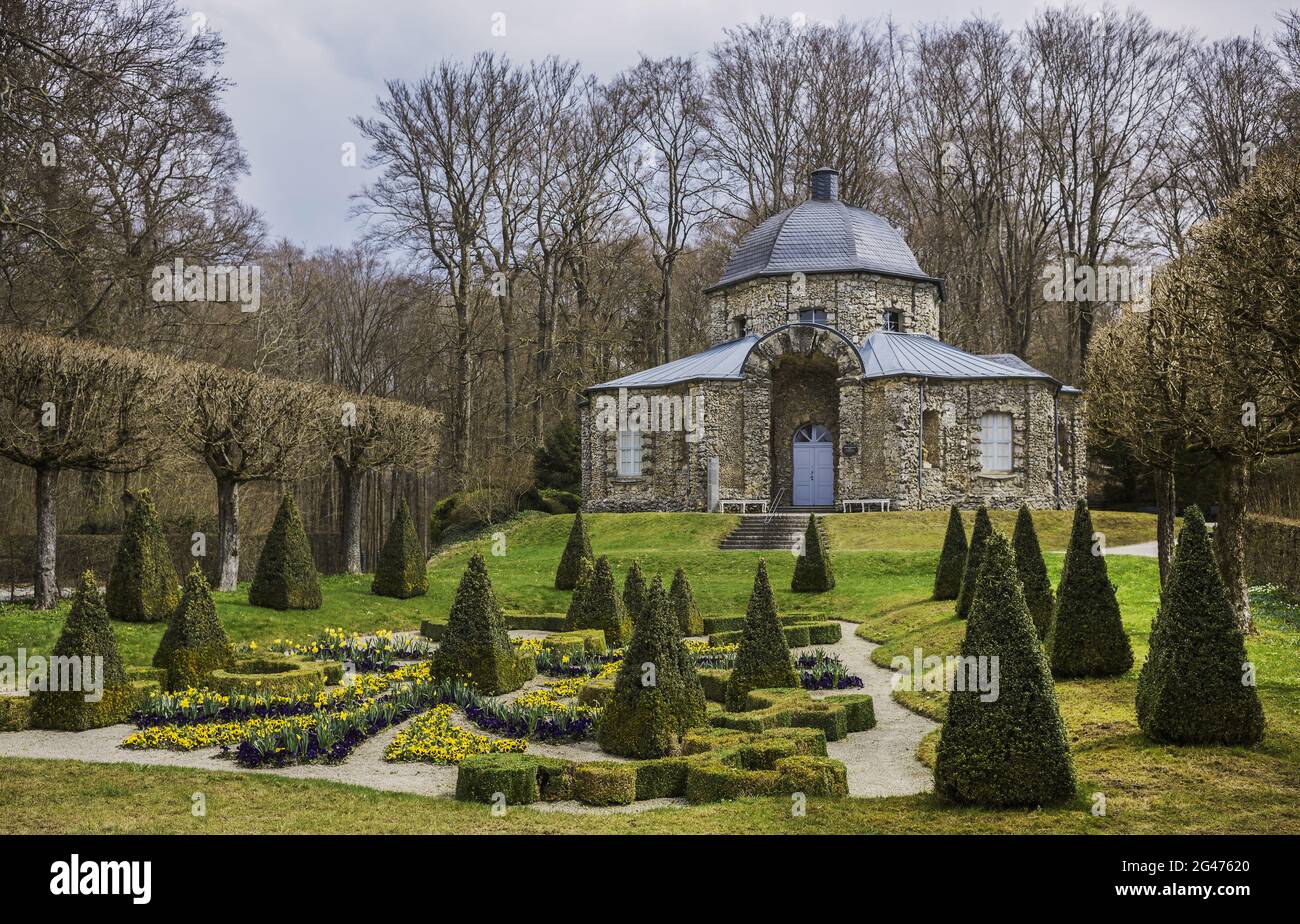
(812, 433)
(930, 450)
(629, 453)
(995, 442)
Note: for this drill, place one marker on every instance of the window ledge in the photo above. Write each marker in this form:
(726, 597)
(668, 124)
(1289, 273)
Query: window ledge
(996, 476)
(627, 479)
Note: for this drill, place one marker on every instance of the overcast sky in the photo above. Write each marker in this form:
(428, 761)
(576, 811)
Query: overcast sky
(303, 68)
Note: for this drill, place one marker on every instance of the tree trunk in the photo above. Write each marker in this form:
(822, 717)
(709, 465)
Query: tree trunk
(508, 364)
(666, 304)
(46, 583)
(227, 533)
(350, 489)
(1166, 510)
(1230, 535)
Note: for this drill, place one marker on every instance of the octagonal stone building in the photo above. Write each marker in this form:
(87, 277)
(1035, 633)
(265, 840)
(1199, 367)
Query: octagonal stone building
(826, 387)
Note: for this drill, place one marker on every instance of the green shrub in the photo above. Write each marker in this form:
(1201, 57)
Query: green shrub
(286, 577)
(577, 643)
(475, 646)
(634, 592)
(400, 571)
(681, 599)
(576, 550)
(786, 708)
(714, 624)
(573, 618)
(824, 633)
(602, 609)
(952, 560)
(716, 781)
(1011, 750)
(714, 683)
(15, 713)
(657, 695)
(812, 569)
(1032, 571)
(795, 636)
(431, 630)
(142, 586)
(557, 463)
(554, 779)
(1086, 638)
(661, 778)
(1191, 689)
(812, 776)
(598, 691)
(194, 643)
(859, 710)
(809, 741)
(974, 555)
(556, 501)
(156, 674)
(604, 783)
(276, 676)
(763, 659)
(481, 776)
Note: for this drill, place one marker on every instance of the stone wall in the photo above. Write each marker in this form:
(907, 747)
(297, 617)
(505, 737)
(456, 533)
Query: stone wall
(805, 390)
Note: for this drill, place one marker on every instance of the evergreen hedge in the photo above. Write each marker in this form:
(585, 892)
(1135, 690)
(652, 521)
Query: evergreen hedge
(763, 659)
(1011, 750)
(634, 592)
(952, 560)
(1033, 572)
(979, 537)
(1086, 638)
(475, 646)
(576, 550)
(400, 571)
(1191, 688)
(601, 608)
(682, 602)
(812, 570)
(194, 643)
(142, 585)
(286, 577)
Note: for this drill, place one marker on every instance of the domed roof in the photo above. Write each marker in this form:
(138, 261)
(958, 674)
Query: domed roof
(822, 235)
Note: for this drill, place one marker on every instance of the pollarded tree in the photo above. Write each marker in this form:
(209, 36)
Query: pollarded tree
(476, 647)
(574, 616)
(1007, 746)
(979, 537)
(194, 644)
(69, 404)
(576, 550)
(143, 586)
(812, 569)
(601, 607)
(1087, 637)
(286, 576)
(655, 701)
(681, 600)
(401, 570)
(763, 659)
(952, 560)
(1032, 571)
(1194, 686)
(634, 598)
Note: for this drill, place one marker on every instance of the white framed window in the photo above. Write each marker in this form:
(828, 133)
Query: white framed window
(995, 442)
(629, 453)
(816, 315)
(892, 321)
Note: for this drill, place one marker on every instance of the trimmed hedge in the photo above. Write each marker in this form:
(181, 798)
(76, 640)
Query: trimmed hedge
(634, 592)
(400, 571)
(1032, 571)
(286, 576)
(660, 778)
(601, 608)
(836, 716)
(194, 644)
(812, 569)
(576, 643)
(952, 560)
(142, 586)
(1011, 750)
(15, 713)
(974, 555)
(576, 550)
(763, 659)
(1086, 638)
(681, 599)
(475, 646)
(604, 783)
(813, 776)
(1191, 688)
(276, 676)
(481, 776)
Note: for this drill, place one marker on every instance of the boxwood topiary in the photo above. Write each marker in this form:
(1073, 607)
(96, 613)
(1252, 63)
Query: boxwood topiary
(952, 560)
(602, 609)
(682, 601)
(573, 617)
(812, 569)
(1086, 638)
(576, 550)
(1032, 571)
(475, 646)
(604, 783)
(634, 592)
(763, 659)
(142, 586)
(286, 577)
(1191, 689)
(194, 644)
(1012, 749)
(400, 571)
(974, 555)
(481, 777)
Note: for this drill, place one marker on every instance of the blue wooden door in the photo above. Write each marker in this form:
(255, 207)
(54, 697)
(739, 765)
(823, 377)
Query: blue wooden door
(814, 474)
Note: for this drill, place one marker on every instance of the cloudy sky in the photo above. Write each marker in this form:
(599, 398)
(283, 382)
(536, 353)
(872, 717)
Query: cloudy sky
(302, 68)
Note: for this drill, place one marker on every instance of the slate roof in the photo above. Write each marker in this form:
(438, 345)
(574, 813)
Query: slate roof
(725, 361)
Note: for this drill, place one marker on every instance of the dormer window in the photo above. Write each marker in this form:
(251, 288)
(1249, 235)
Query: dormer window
(816, 315)
(892, 321)
(739, 324)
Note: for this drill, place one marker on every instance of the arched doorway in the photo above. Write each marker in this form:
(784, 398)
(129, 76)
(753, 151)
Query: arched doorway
(813, 467)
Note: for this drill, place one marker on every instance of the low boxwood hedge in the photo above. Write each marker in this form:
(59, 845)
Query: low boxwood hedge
(604, 783)
(836, 716)
(15, 713)
(797, 634)
(482, 776)
(813, 776)
(661, 778)
(596, 692)
(576, 642)
(277, 676)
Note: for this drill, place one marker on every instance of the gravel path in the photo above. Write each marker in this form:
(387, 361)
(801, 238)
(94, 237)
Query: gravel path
(1142, 549)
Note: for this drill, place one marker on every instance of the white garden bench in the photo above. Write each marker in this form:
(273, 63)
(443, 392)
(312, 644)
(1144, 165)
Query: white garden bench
(743, 505)
(862, 503)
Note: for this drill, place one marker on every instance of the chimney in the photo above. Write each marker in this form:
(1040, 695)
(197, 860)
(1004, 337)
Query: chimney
(825, 184)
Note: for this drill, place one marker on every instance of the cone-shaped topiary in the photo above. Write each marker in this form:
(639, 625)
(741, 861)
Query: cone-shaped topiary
(634, 592)
(576, 550)
(656, 699)
(812, 569)
(979, 537)
(1086, 638)
(1191, 689)
(1011, 749)
(400, 571)
(194, 644)
(952, 560)
(601, 608)
(1032, 571)
(573, 616)
(763, 659)
(681, 601)
(286, 578)
(87, 634)
(142, 587)
(475, 646)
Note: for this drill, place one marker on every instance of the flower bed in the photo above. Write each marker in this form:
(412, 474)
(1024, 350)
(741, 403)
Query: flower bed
(380, 651)
(821, 671)
(433, 738)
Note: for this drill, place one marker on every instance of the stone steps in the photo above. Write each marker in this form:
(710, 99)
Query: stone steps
(755, 532)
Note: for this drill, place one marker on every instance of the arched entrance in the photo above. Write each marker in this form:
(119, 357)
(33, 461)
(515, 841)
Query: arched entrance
(813, 466)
